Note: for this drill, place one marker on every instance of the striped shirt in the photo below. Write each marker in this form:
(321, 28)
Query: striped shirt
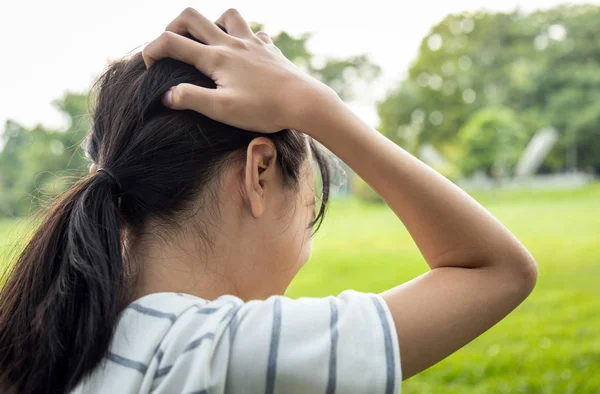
(171, 343)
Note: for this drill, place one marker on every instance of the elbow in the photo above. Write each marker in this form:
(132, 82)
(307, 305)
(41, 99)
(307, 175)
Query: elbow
(522, 271)
(529, 274)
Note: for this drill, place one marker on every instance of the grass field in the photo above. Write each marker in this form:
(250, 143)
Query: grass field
(550, 344)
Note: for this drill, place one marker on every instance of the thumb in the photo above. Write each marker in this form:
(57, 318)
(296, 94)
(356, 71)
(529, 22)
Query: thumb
(209, 102)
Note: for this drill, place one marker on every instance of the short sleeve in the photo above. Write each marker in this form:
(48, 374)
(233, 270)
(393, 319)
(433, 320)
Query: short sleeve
(343, 344)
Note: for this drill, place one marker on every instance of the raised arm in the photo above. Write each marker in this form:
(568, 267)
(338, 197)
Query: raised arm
(479, 270)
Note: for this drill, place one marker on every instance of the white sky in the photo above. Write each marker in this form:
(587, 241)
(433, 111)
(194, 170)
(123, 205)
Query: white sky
(52, 46)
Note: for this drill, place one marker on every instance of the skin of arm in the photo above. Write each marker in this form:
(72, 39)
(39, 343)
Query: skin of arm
(479, 270)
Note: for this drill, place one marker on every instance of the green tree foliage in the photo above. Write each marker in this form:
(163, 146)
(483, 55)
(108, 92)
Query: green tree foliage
(36, 163)
(363, 191)
(40, 162)
(543, 66)
(492, 140)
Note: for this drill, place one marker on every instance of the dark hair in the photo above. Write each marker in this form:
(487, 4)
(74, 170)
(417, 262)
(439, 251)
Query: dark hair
(61, 302)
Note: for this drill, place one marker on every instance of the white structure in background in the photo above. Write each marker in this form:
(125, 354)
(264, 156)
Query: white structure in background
(525, 171)
(538, 148)
(431, 156)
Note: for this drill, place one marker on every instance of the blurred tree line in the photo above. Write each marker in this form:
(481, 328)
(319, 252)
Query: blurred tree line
(482, 84)
(38, 163)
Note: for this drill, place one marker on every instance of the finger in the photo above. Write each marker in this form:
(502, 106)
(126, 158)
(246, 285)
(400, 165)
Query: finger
(209, 102)
(192, 22)
(264, 37)
(177, 47)
(234, 24)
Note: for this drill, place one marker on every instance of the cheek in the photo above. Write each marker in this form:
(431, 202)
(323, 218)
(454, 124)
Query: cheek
(301, 233)
(293, 243)
(304, 229)
(306, 251)
(298, 234)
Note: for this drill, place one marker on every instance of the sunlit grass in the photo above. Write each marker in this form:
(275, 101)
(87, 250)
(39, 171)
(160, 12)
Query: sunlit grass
(13, 237)
(550, 344)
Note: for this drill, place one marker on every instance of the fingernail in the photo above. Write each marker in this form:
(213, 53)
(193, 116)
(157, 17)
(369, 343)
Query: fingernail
(167, 98)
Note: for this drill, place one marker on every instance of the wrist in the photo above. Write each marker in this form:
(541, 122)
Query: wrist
(309, 101)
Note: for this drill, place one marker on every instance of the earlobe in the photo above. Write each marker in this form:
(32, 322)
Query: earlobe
(259, 174)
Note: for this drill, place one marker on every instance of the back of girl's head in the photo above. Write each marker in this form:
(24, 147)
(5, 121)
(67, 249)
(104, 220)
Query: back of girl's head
(63, 296)
(162, 157)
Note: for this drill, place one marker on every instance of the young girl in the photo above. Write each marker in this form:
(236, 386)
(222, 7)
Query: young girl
(163, 270)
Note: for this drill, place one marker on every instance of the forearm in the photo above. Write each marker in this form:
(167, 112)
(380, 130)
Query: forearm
(449, 227)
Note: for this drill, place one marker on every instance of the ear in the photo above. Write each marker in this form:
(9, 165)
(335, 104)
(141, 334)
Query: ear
(260, 174)
(93, 169)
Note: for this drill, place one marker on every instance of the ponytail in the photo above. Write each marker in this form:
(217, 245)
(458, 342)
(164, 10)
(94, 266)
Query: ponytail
(61, 303)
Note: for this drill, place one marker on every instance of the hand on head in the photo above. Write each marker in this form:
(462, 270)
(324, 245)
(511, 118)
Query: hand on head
(255, 82)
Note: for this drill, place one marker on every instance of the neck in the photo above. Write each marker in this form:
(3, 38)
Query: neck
(182, 263)
(183, 267)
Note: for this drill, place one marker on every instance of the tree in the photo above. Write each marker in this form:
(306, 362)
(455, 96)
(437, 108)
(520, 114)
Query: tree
(40, 162)
(492, 141)
(36, 163)
(543, 66)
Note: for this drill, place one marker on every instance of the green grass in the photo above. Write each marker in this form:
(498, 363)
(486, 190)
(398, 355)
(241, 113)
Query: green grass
(13, 234)
(550, 344)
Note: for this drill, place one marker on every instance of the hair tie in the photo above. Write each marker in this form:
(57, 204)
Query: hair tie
(118, 190)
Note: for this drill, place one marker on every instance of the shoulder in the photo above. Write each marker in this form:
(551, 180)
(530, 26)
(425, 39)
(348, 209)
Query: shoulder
(154, 331)
(178, 343)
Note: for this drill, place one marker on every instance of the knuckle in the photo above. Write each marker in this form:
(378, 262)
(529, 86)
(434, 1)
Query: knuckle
(221, 57)
(239, 44)
(232, 12)
(146, 52)
(161, 44)
(166, 37)
(263, 37)
(218, 58)
(157, 48)
(180, 95)
(188, 13)
(223, 105)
